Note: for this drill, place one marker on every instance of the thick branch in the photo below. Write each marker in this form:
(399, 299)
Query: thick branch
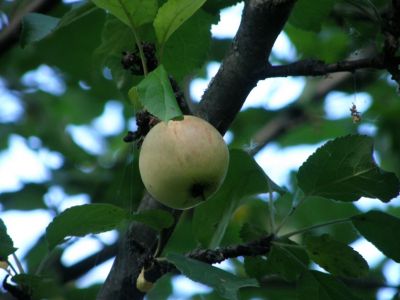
(135, 247)
(262, 21)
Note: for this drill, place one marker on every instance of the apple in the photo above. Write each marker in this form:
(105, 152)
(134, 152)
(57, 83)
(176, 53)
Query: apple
(142, 284)
(183, 162)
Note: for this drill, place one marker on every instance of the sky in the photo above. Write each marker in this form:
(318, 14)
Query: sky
(19, 165)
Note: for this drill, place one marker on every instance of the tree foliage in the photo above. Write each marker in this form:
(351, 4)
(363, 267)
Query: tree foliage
(142, 56)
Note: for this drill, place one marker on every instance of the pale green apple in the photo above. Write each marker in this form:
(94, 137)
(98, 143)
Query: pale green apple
(182, 163)
(142, 284)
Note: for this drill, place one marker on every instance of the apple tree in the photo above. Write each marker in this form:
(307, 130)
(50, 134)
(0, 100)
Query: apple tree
(282, 241)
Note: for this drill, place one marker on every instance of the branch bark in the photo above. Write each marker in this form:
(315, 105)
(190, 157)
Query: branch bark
(82, 267)
(156, 268)
(246, 61)
(134, 248)
(319, 68)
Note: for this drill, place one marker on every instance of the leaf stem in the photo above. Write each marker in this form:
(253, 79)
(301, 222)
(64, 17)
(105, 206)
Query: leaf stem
(44, 261)
(283, 244)
(18, 263)
(12, 268)
(300, 231)
(137, 38)
(271, 208)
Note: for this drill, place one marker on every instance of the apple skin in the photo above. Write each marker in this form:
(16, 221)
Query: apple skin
(142, 284)
(182, 163)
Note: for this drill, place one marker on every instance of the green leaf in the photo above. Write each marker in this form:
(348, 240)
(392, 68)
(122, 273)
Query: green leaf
(309, 15)
(156, 218)
(382, 230)
(116, 37)
(156, 95)
(256, 266)
(86, 293)
(17, 199)
(315, 285)
(344, 170)
(140, 11)
(36, 26)
(36, 286)
(288, 261)
(304, 41)
(6, 243)
(185, 51)
(315, 132)
(172, 15)
(76, 63)
(224, 283)
(161, 288)
(247, 123)
(327, 210)
(367, 9)
(250, 232)
(82, 220)
(216, 5)
(335, 257)
(78, 11)
(244, 178)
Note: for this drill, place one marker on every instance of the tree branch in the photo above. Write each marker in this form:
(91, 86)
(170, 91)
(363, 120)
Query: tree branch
(82, 267)
(295, 115)
(156, 268)
(253, 248)
(135, 247)
(319, 68)
(246, 61)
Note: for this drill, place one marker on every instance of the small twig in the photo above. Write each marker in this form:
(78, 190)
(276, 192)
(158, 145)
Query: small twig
(320, 68)
(166, 233)
(137, 38)
(12, 268)
(18, 263)
(271, 208)
(253, 248)
(44, 261)
(157, 267)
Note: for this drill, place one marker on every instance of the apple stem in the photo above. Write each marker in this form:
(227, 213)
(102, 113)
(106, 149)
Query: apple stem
(197, 190)
(203, 197)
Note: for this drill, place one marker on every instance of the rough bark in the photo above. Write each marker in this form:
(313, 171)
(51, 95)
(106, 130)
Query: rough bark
(246, 61)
